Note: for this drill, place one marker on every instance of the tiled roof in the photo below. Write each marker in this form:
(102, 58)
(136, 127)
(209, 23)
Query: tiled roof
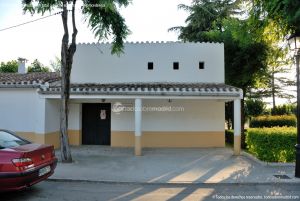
(178, 89)
(151, 42)
(48, 83)
(27, 79)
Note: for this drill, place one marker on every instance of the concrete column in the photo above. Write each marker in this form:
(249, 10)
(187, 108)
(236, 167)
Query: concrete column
(138, 127)
(237, 127)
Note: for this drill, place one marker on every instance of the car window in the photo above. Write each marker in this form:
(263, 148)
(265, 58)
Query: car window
(8, 140)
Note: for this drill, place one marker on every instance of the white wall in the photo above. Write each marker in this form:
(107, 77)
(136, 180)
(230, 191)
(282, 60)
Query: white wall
(93, 63)
(122, 121)
(22, 110)
(75, 116)
(52, 116)
(198, 115)
(40, 112)
(19, 110)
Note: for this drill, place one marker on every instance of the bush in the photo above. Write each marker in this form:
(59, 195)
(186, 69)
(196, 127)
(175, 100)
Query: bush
(37, 66)
(284, 109)
(254, 107)
(275, 144)
(9, 67)
(272, 121)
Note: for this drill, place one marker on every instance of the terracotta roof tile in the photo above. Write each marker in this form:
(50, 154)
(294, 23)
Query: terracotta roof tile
(15, 80)
(41, 77)
(198, 89)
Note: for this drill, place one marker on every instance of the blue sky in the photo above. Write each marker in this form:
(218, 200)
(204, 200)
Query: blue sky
(148, 20)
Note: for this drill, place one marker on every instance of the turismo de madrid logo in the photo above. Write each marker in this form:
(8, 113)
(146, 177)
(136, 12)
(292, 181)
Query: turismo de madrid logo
(118, 107)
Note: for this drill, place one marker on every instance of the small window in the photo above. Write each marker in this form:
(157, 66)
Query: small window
(201, 65)
(150, 65)
(176, 65)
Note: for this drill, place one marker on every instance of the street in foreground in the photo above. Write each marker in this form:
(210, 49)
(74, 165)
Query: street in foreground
(96, 191)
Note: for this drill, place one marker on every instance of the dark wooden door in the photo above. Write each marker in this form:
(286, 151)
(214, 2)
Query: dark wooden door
(96, 123)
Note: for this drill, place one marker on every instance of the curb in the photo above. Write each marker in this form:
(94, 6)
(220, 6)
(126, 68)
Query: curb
(271, 164)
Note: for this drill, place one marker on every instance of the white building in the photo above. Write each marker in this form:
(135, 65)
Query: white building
(154, 95)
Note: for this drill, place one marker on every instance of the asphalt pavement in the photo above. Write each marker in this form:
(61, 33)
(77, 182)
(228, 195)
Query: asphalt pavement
(99, 191)
(206, 165)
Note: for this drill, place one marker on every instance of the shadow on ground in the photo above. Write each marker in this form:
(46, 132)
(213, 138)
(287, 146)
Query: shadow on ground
(166, 165)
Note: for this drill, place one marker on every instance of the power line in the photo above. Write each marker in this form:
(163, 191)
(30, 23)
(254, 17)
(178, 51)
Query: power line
(30, 21)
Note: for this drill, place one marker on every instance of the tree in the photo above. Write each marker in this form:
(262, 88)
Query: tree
(104, 20)
(56, 64)
(286, 13)
(285, 109)
(213, 20)
(205, 15)
(245, 56)
(37, 66)
(245, 51)
(254, 107)
(262, 13)
(9, 67)
(275, 83)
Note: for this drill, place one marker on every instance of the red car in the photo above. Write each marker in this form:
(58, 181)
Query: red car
(23, 163)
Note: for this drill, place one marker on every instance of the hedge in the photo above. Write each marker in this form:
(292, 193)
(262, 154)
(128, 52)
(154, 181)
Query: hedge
(272, 121)
(275, 144)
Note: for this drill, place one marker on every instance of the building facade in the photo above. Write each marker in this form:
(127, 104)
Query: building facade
(153, 95)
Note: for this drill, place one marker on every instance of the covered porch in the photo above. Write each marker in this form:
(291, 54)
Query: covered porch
(146, 129)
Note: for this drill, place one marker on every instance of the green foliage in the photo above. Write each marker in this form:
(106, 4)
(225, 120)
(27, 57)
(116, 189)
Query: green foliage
(254, 107)
(37, 66)
(56, 64)
(285, 109)
(105, 20)
(245, 52)
(9, 67)
(103, 17)
(205, 15)
(273, 121)
(275, 144)
(274, 82)
(270, 16)
(286, 13)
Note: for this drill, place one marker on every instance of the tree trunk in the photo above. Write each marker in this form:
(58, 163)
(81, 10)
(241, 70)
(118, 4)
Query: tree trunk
(67, 53)
(273, 89)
